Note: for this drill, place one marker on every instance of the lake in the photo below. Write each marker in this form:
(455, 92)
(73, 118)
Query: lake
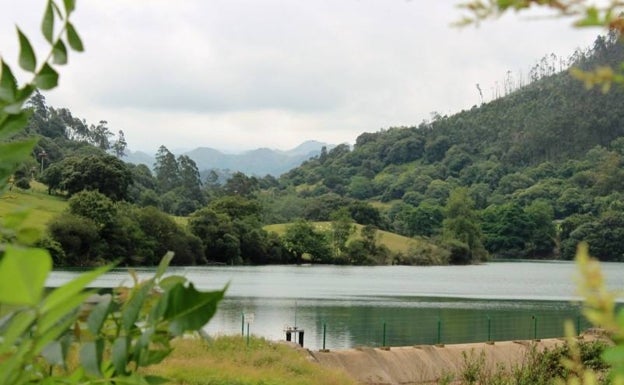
(412, 304)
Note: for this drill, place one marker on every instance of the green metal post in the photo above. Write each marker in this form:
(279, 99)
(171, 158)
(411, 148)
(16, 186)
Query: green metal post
(384, 334)
(324, 334)
(534, 327)
(578, 324)
(489, 329)
(439, 331)
(243, 324)
(247, 334)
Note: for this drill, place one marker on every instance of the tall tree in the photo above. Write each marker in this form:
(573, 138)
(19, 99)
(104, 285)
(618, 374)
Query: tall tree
(190, 180)
(166, 169)
(461, 224)
(120, 145)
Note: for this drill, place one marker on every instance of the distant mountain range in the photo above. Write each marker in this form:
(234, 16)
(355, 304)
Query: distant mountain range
(259, 162)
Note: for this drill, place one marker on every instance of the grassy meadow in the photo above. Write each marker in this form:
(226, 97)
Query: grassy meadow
(394, 242)
(228, 360)
(41, 206)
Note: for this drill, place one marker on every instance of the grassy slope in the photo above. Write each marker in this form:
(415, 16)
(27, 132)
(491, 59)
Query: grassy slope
(228, 360)
(394, 242)
(43, 207)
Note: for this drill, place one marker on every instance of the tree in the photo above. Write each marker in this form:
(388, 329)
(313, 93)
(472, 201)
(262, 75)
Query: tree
(166, 169)
(305, 242)
(608, 15)
(217, 234)
(120, 145)
(100, 135)
(94, 206)
(461, 225)
(241, 184)
(190, 180)
(104, 173)
(341, 229)
(42, 324)
(78, 236)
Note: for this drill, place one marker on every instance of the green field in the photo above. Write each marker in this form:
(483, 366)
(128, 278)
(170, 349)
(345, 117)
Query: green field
(230, 360)
(40, 206)
(394, 242)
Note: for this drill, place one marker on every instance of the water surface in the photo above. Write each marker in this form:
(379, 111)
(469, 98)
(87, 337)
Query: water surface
(417, 305)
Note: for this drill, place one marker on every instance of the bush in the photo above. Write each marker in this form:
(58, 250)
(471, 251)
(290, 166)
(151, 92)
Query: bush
(23, 183)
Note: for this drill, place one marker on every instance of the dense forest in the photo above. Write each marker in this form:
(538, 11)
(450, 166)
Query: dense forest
(527, 175)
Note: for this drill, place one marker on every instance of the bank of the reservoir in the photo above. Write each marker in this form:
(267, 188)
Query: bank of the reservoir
(428, 364)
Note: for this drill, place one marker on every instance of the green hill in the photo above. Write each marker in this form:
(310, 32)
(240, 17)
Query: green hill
(547, 152)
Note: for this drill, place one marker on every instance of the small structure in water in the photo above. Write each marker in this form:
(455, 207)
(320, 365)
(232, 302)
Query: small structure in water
(298, 334)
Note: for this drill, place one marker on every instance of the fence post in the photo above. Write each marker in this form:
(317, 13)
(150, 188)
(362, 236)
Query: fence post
(534, 327)
(242, 324)
(324, 334)
(578, 325)
(439, 331)
(489, 328)
(384, 334)
(247, 334)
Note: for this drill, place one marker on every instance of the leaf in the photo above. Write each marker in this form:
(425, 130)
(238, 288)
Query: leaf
(59, 53)
(71, 288)
(133, 307)
(53, 353)
(189, 309)
(22, 275)
(156, 380)
(91, 357)
(8, 85)
(52, 316)
(47, 78)
(47, 24)
(614, 355)
(120, 354)
(164, 263)
(27, 59)
(13, 123)
(98, 314)
(171, 281)
(73, 39)
(17, 325)
(70, 5)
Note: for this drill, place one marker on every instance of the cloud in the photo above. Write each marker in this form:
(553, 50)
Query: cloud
(244, 74)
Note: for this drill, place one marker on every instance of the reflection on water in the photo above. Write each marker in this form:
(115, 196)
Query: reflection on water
(410, 321)
(419, 305)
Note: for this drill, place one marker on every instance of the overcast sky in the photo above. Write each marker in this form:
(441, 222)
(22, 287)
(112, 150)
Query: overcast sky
(237, 75)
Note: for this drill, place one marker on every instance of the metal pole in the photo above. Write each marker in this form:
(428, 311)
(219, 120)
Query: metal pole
(247, 334)
(324, 334)
(243, 324)
(534, 327)
(384, 334)
(489, 328)
(578, 324)
(439, 331)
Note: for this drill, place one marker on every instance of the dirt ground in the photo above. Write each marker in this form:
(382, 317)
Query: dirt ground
(424, 364)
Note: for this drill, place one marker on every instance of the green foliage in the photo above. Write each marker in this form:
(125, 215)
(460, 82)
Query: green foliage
(304, 241)
(103, 173)
(462, 230)
(135, 325)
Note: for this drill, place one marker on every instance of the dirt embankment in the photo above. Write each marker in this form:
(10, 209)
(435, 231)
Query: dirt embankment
(424, 364)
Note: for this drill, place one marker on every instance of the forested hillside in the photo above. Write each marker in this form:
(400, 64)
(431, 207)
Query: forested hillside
(539, 168)
(527, 175)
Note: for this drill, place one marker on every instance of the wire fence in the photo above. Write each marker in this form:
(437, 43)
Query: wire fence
(443, 329)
